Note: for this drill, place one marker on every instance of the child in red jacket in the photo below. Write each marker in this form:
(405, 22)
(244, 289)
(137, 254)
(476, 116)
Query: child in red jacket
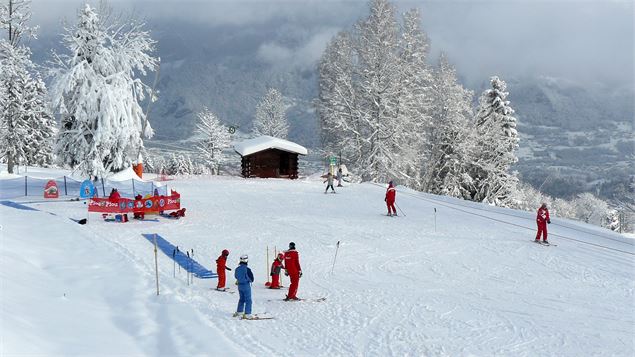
(276, 268)
(220, 269)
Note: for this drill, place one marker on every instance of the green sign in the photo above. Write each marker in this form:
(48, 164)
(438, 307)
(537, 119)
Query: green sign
(333, 160)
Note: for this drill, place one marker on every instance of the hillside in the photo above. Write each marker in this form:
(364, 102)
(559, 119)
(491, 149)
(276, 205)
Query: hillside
(471, 284)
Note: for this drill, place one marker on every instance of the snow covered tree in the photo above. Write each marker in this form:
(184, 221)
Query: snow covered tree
(375, 96)
(215, 139)
(447, 172)
(270, 116)
(378, 91)
(41, 124)
(97, 91)
(415, 101)
(25, 122)
(495, 146)
(338, 111)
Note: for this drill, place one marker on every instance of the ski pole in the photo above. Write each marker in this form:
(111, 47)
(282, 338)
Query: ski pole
(192, 267)
(400, 209)
(177, 253)
(174, 261)
(267, 265)
(336, 249)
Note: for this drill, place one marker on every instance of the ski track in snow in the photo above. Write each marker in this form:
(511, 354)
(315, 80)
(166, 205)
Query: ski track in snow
(398, 287)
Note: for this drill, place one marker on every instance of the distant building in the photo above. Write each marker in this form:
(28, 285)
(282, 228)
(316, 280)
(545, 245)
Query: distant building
(266, 156)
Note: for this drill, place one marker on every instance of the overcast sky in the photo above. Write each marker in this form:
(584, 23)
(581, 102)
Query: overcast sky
(579, 40)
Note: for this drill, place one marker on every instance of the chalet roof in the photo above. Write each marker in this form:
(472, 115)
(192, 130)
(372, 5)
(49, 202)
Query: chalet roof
(265, 142)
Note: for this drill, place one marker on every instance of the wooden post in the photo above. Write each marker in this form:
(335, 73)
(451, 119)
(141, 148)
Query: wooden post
(156, 263)
(435, 219)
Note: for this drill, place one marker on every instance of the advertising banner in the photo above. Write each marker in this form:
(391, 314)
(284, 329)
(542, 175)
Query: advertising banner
(153, 204)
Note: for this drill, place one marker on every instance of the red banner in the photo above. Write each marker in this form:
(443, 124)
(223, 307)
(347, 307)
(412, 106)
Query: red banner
(152, 204)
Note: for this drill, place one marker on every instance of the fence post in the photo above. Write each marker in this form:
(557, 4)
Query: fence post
(65, 189)
(103, 188)
(26, 191)
(133, 193)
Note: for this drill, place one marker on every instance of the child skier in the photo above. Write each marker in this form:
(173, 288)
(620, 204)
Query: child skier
(292, 270)
(276, 267)
(329, 179)
(244, 278)
(220, 269)
(542, 219)
(390, 199)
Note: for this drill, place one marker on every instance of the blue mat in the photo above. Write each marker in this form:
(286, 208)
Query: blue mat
(181, 258)
(17, 206)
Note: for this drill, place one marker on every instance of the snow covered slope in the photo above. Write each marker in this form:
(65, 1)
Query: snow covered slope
(475, 285)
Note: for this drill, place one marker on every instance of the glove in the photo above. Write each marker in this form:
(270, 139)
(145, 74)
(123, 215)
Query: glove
(300, 273)
(236, 282)
(228, 268)
(385, 199)
(548, 221)
(286, 273)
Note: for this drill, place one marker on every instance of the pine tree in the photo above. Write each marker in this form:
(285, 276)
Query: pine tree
(97, 92)
(270, 116)
(495, 146)
(447, 172)
(215, 139)
(39, 150)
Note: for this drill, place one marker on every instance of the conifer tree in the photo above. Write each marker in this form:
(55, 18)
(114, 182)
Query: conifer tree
(496, 140)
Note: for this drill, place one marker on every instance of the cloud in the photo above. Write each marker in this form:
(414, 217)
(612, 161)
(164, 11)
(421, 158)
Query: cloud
(304, 56)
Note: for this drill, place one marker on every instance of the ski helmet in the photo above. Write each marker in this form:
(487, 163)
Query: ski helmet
(225, 252)
(244, 258)
(291, 245)
(280, 256)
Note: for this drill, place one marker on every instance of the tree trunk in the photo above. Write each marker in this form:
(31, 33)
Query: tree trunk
(10, 163)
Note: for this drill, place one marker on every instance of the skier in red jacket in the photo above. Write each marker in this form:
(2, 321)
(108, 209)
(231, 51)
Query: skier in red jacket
(293, 270)
(220, 269)
(390, 199)
(542, 219)
(276, 267)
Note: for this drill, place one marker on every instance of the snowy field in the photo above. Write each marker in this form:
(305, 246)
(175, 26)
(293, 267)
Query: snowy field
(475, 285)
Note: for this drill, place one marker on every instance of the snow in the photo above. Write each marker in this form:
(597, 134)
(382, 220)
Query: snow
(471, 284)
(265, 142)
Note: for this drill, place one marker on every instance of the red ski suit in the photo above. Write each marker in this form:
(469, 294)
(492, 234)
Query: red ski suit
(276, 267)
(390, 198)
(542, 219)
(220, 270)
(292, 265)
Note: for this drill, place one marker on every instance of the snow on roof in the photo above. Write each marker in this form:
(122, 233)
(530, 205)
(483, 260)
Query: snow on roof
(265, 142)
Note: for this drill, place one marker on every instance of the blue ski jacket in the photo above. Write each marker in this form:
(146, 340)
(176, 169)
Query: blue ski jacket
(243, 274)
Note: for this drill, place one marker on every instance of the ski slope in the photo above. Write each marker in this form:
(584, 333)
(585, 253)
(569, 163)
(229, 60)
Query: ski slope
(473, 285)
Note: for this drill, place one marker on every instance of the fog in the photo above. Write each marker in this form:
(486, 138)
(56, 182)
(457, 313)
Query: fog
(580, 40)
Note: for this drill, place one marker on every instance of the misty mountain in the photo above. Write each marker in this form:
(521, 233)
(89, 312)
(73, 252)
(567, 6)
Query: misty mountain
(575, 136)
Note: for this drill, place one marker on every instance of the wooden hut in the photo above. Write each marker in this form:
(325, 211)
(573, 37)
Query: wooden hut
(266, 156)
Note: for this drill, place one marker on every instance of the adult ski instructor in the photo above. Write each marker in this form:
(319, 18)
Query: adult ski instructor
(542, 219)
(293, 270)
(390, 199)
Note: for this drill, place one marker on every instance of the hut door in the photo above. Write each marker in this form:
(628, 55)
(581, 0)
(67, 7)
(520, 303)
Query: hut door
(284, 164)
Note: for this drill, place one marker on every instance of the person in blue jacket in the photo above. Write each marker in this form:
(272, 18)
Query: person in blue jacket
(244, 278)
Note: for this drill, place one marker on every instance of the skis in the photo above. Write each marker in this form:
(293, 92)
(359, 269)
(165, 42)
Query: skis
(302, 300)
(256, 317)
(223, 290)
(545, 244)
